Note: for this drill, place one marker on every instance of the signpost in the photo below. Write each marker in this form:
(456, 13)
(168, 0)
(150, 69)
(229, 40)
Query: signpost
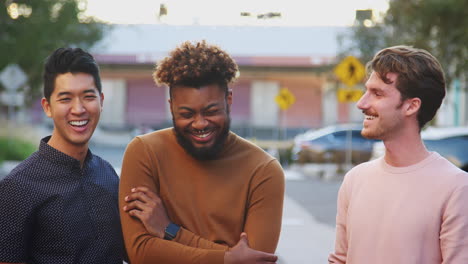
(349, 71)
(284, 100)
(12, 78)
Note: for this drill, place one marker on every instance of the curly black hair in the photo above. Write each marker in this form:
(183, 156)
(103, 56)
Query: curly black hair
(196, 65)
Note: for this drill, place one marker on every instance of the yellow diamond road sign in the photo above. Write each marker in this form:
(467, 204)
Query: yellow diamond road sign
(350, 71)
(349, 95)
(285, 99)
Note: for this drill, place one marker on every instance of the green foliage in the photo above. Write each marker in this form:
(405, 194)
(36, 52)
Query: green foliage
(28, 39)
(439, 26)
(15, 149)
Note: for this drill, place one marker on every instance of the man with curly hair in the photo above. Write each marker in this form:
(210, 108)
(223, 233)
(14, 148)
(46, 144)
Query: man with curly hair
(188, 193)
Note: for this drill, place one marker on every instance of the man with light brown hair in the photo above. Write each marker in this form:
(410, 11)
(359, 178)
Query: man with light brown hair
(409, 206)
(189, 193)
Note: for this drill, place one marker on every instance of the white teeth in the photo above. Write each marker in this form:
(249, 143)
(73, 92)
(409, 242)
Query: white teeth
(203, 135)
(78, 123)
(368, 117)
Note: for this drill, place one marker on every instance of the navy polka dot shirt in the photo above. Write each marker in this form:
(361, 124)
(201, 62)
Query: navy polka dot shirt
(54, 211)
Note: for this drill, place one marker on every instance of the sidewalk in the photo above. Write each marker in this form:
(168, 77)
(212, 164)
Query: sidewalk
(303, 240)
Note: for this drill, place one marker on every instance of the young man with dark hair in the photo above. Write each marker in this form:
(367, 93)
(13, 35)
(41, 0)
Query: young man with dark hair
(409, 206)
(60, 205)
(188, 193)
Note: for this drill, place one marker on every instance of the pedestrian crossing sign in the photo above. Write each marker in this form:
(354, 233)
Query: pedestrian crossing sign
(347, 95)
(285, 99)
(350, 71)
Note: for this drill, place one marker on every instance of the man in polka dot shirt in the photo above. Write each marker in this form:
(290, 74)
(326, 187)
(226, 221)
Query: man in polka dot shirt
(60, 204)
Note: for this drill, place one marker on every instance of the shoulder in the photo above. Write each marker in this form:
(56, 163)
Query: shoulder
(254, 159)
(103, 166)
(20, 185)
(359, 171)
(248, 150)
(156, 139)
(449, 173)
(27, 169)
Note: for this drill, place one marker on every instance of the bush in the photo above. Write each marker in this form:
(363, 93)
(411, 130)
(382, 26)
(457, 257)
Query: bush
(15, 149)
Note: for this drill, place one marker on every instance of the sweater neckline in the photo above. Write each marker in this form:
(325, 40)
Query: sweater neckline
(399, 170)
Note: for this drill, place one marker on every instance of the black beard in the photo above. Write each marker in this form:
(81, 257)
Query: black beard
(203, 153)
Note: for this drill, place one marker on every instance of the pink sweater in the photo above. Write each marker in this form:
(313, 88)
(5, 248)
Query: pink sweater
(397, 215)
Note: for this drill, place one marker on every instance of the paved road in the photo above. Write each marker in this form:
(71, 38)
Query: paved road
(318, 197)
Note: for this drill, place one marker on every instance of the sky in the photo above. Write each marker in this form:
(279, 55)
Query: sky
(227, 12)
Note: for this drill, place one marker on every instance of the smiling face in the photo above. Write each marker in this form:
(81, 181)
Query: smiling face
(75, 106)
(382, 107)
(201, 119)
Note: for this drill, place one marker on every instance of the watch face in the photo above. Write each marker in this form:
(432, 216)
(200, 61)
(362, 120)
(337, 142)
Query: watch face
(171, 231)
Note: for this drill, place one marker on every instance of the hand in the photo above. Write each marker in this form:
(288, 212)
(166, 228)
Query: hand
(243, 254)
(146, 205)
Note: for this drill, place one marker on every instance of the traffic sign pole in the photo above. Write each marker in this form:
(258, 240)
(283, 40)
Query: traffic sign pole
(349, 71)
(12, 77)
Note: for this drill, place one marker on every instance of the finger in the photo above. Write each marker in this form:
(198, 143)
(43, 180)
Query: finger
(138, 196)
(266, 257)
(138, 205)
(136, 213)
(244, 239)
(145, 190)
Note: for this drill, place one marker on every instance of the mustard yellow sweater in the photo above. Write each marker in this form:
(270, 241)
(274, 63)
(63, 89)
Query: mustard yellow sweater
(213, 201)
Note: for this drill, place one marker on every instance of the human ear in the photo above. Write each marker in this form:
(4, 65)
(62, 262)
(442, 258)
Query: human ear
(412, 106)
(46, 107)
(102, 100)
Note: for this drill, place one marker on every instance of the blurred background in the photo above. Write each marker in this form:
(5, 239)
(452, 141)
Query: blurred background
(301, 72)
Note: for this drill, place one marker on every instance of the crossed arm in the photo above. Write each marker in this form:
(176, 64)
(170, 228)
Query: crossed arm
(147, 207)
(143, 237)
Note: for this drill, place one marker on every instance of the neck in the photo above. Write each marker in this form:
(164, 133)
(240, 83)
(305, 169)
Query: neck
(405, 150)
(78, 152)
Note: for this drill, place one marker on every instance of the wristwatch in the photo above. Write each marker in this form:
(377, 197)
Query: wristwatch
(171, 231)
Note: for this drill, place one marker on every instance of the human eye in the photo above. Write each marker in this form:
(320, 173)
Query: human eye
(212, 112)
(90, 97)
(64, 99)
(186, 115)
(377, 92)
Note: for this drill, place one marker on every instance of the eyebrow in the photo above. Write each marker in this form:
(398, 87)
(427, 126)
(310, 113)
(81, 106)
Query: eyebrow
(205, 108)
(374, 89)
(85, 91)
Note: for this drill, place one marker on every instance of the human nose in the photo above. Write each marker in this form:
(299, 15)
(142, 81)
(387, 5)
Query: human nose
(78, 107)
(363, 102)
(200, 122)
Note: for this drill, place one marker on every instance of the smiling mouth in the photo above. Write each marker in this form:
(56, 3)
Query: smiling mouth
(370, 117)
(202, 134)
(79, 123)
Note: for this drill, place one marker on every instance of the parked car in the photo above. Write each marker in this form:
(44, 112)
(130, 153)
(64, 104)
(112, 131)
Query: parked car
(331, 144)
(449, 142)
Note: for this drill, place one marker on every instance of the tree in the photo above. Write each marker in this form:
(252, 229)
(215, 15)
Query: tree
(30, 30)
(439, 26)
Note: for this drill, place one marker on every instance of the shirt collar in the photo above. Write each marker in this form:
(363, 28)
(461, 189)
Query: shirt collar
(58, 157)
